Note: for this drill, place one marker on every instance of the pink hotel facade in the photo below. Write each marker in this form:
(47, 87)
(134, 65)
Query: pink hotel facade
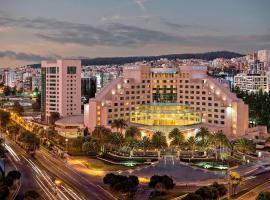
(61, 87)
(185, 93)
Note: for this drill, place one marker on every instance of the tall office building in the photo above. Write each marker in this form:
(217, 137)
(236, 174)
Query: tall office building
(61, 87)
(154, 98)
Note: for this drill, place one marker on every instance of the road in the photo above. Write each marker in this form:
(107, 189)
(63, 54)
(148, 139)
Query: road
(251, 195)
(40, 174)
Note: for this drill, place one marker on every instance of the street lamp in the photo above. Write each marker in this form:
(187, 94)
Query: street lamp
(57, 183)
(66, 145)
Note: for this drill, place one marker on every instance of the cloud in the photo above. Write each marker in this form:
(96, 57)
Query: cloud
(26, 56)
(127, 36)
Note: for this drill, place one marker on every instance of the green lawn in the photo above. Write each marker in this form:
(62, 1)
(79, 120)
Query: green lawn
(94, 163)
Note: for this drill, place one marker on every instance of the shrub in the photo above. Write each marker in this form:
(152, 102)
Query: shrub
(121, 183)
(31, 194)
(263, 196)
(192, 196)
(165, 180)
(156, 194)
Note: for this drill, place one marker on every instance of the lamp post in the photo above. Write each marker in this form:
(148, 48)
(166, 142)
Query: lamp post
(66, 145)
(57, 183)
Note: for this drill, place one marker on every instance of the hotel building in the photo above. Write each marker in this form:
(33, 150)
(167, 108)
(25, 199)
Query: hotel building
(153, 98)
(61, 87)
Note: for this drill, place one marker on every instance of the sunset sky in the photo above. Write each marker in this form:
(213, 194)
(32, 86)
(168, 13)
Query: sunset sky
(32, 30)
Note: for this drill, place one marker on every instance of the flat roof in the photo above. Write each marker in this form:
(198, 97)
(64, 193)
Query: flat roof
(74, 120)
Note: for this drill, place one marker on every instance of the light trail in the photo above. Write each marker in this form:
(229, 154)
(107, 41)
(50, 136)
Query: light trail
(12, 152)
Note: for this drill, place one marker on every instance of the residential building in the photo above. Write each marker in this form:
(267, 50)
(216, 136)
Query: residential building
(61, 87)
(252, 82)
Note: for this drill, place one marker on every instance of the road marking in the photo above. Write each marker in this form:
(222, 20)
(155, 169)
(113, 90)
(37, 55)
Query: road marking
(107, 192)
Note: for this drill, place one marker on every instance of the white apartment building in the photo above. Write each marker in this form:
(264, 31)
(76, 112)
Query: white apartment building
(252, 82)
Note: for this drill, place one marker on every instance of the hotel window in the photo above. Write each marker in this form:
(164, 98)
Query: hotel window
(222, 122)
(222, 111)
(71, 70)
(216, 122)
(209, 104)
(216, 110)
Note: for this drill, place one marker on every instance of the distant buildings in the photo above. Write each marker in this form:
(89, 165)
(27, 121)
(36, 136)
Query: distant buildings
(61, 87)
(252, 82)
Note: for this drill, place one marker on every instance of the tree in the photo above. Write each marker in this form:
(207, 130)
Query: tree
(159, 141)
(207, 192)
(31, 140)
(101, 134)
(14, 174)
(192, 196)
(202, 134)
(122, 183)
(31, 195)
(6, 91)
(17, 108)
(54, 116)
(192, 144)
(177, 139)
(88, 146)
(235, 180)
(4, 118)
(263, 196)
(36, 106)
(85, 131)
(145, 144)
(116, 139)
(132, 144)
(4, 192)
(14, 130)
(119, 124)
(165, 181)
(245, 146)
(133, 132)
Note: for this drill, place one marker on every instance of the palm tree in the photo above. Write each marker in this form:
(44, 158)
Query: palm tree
(101, 133)
(3, 157)
(202, 134)
(54, 116)
(133, 132)
(132, 143)
(145, 143)
(159, 141)
(177, 139)
(245, 146)
(4, 119)
(119, 124)
(192, 144)
(14, 130)
(220, 141)
(32, 142)
(89, 145)
(116, 140)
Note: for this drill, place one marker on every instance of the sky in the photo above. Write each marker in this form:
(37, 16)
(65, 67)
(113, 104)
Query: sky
(34, 30)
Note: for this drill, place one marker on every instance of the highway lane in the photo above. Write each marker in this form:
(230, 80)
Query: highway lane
(45, 169)
(36, 176)
(91, 189)
(251, 195)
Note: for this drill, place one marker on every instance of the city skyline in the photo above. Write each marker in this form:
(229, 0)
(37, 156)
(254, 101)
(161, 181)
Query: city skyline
(39, 30)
